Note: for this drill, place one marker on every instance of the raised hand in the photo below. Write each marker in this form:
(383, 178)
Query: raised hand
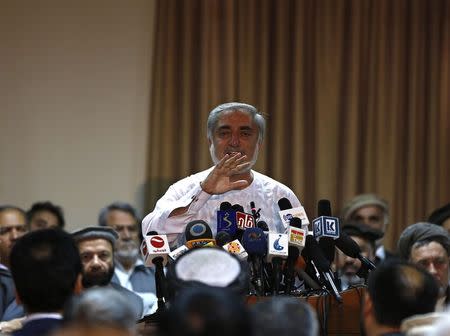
(224, 176)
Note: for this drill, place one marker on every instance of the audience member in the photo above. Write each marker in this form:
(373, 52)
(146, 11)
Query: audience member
(281, 315)
(96, 248)
(235, 133)
(206, 311)
(13, 225)
(130, 271)
(101, 307)
(46, 269)
(428, 245)
(396, 290)
(373, 211)
(45, 215)
(349, 269)
(441, 216)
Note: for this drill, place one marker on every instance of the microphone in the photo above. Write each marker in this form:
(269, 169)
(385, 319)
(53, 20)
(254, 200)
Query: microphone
(226, 219)
(319, 261)
(288, 212)
(299, 267)
(326, 229)
(235, 247)
(243, 220)
(277, 251)
(347, 245)
(263, 226)
(255, 212)
(223, 238)
(198, 234)
(296, 243)
(178, 252)
(155, 249)
(255, 243)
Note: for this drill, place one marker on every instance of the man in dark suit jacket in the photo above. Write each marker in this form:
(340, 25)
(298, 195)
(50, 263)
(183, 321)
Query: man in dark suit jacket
(96, 248)
(46, 269)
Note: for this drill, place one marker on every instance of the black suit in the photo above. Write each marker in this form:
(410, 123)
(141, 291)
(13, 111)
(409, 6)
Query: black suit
(39, 327)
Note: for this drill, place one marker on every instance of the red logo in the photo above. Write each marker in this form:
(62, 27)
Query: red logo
(244, 221)
(157, 241)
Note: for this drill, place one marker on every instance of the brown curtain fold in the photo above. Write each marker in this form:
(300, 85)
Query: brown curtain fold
(356, 94)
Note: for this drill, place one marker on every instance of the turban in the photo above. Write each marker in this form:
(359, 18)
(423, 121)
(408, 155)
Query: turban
(419, 232)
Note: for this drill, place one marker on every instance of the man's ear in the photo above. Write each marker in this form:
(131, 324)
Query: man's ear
(78, 288)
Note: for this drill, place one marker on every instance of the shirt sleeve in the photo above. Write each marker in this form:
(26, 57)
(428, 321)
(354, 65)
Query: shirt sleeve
(181, 194)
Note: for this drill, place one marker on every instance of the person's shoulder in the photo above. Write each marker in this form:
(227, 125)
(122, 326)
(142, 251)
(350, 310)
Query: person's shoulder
(269, 182)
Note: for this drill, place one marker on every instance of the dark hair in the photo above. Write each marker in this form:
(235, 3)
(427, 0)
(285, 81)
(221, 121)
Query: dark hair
(280, 315)
(121, 206)
(399, 289)
(205, 311)
(56, 210)
(45, 265)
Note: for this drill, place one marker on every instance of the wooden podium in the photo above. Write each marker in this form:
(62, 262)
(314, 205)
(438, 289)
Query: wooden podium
(334, 318)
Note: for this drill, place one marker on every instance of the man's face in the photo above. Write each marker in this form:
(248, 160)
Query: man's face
(97, 259)
(371, 215)
(235, 132)
(434, 258)
(43, 220)
(127, 246)
(12, 227)
(348, 266)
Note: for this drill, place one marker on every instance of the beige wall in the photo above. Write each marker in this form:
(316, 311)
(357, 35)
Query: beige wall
(74, 103)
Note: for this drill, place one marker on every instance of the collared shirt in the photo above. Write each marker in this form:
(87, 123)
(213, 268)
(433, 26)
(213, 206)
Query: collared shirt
(39, 316)
(264, 191)
(140, 280)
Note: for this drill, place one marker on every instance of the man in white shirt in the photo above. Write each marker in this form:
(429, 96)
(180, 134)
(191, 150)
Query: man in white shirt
(235, 133)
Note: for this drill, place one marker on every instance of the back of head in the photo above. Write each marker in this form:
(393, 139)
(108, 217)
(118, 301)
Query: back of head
(101, 306)
(399, 289)
(280, 315)
(45, 265)
(48, 206)
(204, 311)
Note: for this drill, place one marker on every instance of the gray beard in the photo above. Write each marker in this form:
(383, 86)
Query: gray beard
(127, 256)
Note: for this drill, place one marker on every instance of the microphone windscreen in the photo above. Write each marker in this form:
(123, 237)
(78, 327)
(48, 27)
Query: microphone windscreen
(295, 222)
(263, 225)
(223, 238)
(324, 208)
(284, 204)
(197, 229)
(314, 253)
(254, 241)
(152, 233)
(347, 245)
(238, 207)
(294, 252)
(225, 206)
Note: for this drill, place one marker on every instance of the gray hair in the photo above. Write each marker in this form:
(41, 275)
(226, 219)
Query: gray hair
(280, 316)
(121, 206)
(215, 114)
(101, 306)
